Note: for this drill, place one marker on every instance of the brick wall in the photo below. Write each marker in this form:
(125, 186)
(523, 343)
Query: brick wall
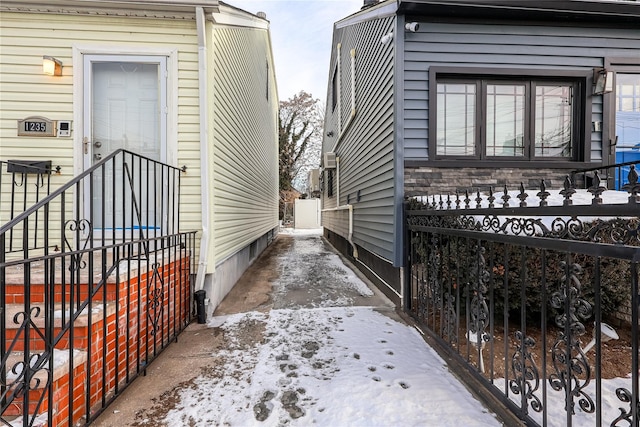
(431, 180)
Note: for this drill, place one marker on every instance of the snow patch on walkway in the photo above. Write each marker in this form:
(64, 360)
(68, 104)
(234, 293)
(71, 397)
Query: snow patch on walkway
(329, 367)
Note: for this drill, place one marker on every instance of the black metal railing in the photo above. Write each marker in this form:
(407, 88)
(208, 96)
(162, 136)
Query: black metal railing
(92, 298)
(23, 183)
(610, 176)
(518, 291)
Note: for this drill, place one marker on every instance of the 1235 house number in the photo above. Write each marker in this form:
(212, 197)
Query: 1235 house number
(36, 126)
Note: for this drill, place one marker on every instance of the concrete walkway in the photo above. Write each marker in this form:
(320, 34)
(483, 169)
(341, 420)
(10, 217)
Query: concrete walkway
(300, 340)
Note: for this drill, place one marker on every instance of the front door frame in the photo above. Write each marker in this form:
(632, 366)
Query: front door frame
(88, 131)
(79, 75)
(617, 65)
(79, 53)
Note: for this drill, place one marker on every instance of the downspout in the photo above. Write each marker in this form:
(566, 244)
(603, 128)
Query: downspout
(204, 147)
(349, 206)
(337, 181)
(350, 238)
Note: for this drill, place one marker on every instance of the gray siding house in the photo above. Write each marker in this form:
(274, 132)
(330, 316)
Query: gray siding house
(434, 96)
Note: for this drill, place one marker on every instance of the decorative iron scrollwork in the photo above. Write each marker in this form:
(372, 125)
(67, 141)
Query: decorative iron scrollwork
(155, 298)
(78, 227)
(479, 278)
(625, 396)
(527, 377)
(449, 330)
(26, 376)
(572, 370)
(435, 285)
(619, 230)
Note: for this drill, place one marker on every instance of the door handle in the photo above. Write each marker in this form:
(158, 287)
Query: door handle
(85, 142)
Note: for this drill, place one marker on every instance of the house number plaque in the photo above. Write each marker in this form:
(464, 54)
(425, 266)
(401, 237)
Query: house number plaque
(36, 126)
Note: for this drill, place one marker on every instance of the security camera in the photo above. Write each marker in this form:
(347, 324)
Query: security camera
(412, 26)
(386, 39)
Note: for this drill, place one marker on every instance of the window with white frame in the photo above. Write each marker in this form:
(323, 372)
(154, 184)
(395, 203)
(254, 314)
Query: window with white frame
(486, 118)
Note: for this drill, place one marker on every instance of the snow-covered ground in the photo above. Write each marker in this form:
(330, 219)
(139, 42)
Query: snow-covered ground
(326, 362)
(346, 366)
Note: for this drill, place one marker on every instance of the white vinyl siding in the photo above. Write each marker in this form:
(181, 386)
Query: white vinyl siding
(26, 91)
(244, 138)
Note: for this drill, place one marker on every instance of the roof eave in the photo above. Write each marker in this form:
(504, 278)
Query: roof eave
(543, 10)
(139, 8)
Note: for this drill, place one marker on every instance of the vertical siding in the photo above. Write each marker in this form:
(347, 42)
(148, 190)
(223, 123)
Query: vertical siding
(25, 91)
(244, 138)
(366, 149)
(525, 47)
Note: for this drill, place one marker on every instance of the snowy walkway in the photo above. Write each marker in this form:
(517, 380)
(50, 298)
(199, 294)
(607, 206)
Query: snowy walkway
(318, 355)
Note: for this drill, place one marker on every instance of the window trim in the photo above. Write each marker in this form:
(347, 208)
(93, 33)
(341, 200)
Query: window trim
(581, 125)
(617, 65)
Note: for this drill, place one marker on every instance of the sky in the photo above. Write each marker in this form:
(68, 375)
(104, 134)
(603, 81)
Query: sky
(301, 34)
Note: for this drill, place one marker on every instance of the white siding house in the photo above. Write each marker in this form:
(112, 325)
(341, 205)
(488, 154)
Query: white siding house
(188, 82)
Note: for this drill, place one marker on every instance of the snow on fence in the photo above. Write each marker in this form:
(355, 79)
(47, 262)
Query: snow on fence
(520, 288)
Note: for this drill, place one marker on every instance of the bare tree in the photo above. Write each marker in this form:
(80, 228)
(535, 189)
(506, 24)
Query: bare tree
(300, 130)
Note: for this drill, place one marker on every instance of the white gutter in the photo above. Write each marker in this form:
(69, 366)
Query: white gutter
(204, 148)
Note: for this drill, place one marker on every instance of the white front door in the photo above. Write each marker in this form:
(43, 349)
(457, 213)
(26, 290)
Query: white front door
(125, 105)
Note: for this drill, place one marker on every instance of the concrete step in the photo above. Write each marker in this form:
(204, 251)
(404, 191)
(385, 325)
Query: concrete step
(16, 320)
(61, 378)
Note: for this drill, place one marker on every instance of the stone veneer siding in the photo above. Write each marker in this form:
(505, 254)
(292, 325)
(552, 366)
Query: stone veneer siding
(432, 180)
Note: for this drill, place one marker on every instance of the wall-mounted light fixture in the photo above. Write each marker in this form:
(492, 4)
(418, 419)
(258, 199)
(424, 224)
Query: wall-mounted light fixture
(602, 81)
(51, 66)
(412, 26)
(386, 39)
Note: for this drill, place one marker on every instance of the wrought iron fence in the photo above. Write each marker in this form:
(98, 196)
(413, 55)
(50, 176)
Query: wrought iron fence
(612, 176)
(519, 291)
(104, 290)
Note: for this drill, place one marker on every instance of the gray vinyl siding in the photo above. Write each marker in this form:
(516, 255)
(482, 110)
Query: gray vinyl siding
(526, 47)
(366, 148)
(245, 143)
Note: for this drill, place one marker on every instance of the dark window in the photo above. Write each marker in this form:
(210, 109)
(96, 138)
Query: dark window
(330, 183)
(516, 119)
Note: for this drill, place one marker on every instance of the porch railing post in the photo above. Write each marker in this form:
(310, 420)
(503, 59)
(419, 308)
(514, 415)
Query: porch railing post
(3, 325)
